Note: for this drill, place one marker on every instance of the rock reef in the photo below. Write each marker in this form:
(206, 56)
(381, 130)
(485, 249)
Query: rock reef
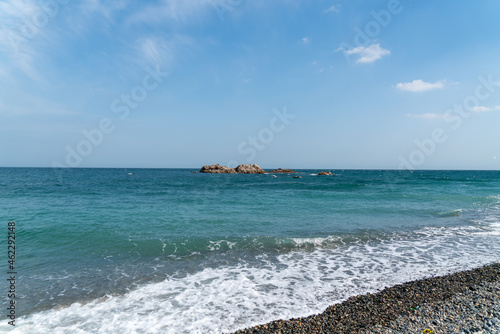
(242, 169)
(217, 169)
(250, 169)
(325, 173)
(281, 171)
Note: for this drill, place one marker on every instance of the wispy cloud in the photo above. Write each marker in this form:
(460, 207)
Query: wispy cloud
(17, 32)
(481, 109)
(367, 54)
(332, 9)
(426, 116)
(14, 12)
(420, 86)
(106, 9)
(22, 51)
(477, 109)
(305, 40)
(173, 11)
(485, 109)
(155, 51)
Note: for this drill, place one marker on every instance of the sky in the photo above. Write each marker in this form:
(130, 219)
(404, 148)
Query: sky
(362, 84)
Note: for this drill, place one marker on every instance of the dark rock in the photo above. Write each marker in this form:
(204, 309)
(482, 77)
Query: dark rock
(249, 169)
(243, 169)
(279, 170)
(217, 169)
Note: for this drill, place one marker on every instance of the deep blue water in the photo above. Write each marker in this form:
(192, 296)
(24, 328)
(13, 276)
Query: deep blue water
(145, 250)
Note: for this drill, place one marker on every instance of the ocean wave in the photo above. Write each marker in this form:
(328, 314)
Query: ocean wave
(283, 285)
(450, 213)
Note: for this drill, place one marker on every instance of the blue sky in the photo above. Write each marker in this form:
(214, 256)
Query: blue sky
(283, 83)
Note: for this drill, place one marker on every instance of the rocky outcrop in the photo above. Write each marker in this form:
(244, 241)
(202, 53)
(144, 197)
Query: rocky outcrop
(243, 169)
(325, 173)
(250, 169)
(217, 169)
(279, 170)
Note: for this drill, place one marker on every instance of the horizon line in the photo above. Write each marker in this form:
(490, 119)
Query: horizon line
(197, 168)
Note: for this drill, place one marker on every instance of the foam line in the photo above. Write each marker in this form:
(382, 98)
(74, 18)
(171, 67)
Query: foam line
(297, 283)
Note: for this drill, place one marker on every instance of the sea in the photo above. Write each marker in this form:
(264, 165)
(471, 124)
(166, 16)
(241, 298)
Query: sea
(173, 251)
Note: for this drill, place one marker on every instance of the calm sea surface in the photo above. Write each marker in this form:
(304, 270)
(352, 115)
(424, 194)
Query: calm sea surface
(170, 251)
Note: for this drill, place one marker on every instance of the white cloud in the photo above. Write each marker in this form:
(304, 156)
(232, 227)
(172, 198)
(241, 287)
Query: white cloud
(481, 109)
(420, 86)
(367, 54)
(154, 51)
(305, 40)
(332, 9)
(485, 109)
(15, 10)
(18, 35)
(426, 116)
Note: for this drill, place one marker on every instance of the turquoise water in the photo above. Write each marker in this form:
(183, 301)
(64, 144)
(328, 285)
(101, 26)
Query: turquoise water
(148, 250)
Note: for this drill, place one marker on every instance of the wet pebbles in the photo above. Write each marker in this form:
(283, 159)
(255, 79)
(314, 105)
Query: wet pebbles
(463, 302)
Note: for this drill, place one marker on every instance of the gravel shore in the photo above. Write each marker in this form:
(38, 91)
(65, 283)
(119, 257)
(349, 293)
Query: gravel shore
(463, 302)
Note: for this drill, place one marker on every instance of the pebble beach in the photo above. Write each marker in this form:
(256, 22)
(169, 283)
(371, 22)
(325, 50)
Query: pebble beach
(462, 302)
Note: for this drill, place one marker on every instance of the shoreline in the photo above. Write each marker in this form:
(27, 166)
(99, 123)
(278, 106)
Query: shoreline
(466, 301)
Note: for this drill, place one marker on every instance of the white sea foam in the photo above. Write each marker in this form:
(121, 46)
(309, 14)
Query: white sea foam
(492, 227)
(313, 241)
(495, 229)
(221, 244)
(297, 283)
